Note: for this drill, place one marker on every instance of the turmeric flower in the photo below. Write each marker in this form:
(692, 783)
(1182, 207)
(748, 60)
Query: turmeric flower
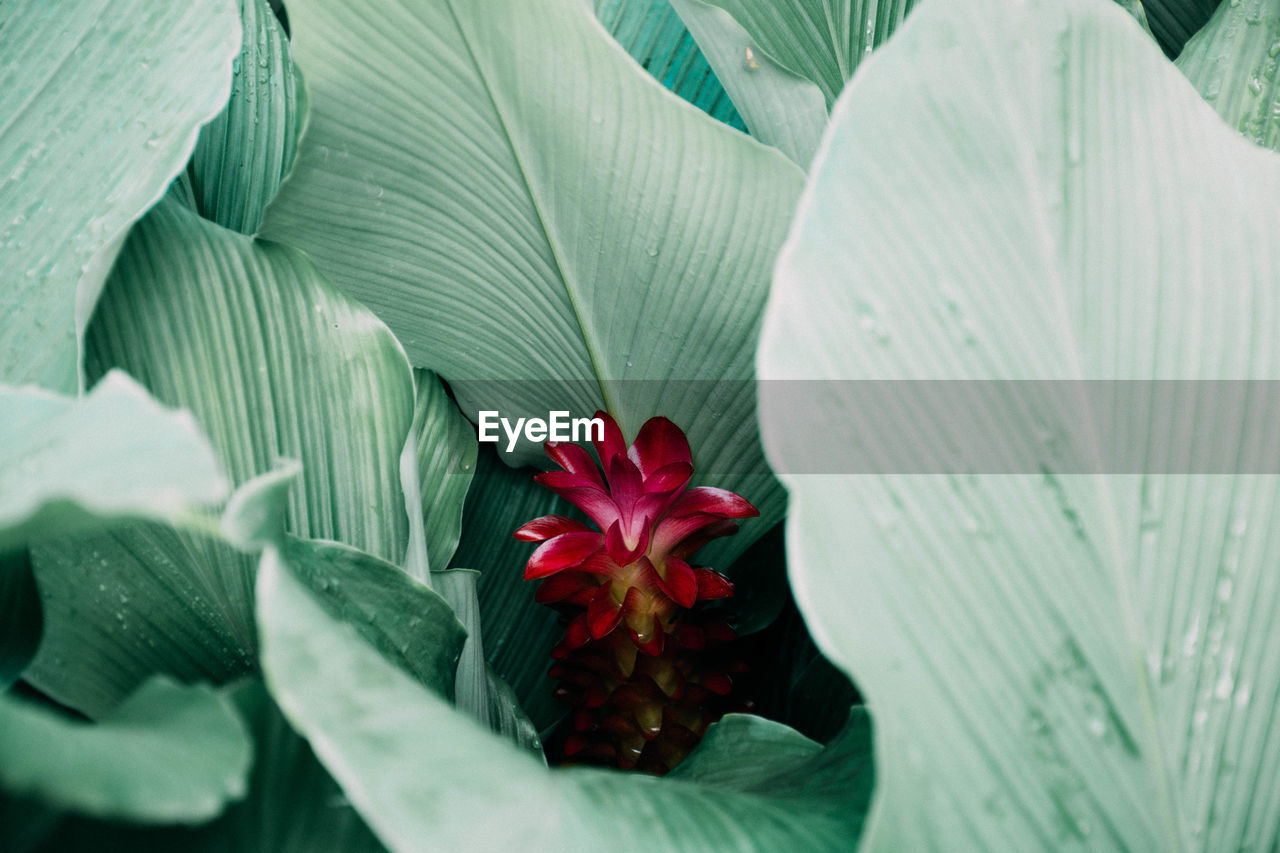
(626, 585)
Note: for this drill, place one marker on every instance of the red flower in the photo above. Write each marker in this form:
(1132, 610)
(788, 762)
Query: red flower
(632, 569)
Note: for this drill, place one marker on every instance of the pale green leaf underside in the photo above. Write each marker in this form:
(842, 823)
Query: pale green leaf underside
(275, 364)
(780, 107)
(538, 220)
(68, 464)
(100, 102)
(376, 730)
(1233, 61)
(1055, 661)
(168, 754)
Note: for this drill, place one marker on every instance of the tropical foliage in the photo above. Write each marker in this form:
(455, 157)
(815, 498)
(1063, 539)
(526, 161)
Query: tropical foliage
(263, 265)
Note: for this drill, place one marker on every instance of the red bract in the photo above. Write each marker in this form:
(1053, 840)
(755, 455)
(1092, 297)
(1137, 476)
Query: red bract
(627, 589)
(630, 571)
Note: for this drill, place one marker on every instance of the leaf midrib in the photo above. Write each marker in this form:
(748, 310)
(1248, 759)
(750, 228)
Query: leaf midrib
(547, 233)
(1050, 250)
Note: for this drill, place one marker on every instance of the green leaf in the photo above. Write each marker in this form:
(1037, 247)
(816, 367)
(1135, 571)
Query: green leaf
(780, 107)
(19, 615)
(136, 600)
(752, 755)
(540, 223)
(1064, 657)
(293, 804)
(479, 690)
(1135, 8)
(244, 153)
(68, 464)
(654, 35)
(376, 729)
(1175, 21)
(168, 754)
(411, 625)
(255, 515)
(820, 699)
(100, 103)
(446, 460)
(822, 41)
(275, 364)
(519, 633)
(1233, 62)
(740, 749)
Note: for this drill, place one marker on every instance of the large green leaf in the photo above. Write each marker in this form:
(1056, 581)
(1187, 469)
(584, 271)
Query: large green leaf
(427, 777)
(1233, 62)
(781, 108)
(244, 153)
(168, 754)
(787, 43)
(424, 639)
(100, 102)
(654, 35)
(68, 464)
(1064, 657)
(293, 805)
(540, 222)
(275, 364)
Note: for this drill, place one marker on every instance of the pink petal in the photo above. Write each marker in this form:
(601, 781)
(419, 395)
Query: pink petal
(603, 614)
(612, 443)
(680, 583)
(721, 502)
(575, 460)
(691, 543)
(589, 498)
(626, 485)
(660, 443)
(671, 532)
(718, 682)
(546, 527)
(577, 632)
(668, 478)
(566, 586)
(563, 552)
(712, 585)
(617, 547)
(600, 564)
